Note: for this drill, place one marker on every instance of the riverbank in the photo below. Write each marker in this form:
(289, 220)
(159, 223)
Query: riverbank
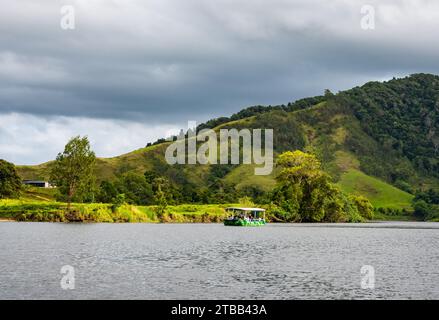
(52, 211)
(43, 211)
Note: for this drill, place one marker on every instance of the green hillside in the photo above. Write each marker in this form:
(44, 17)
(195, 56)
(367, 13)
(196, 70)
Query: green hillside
(380, 194)
(370, 139)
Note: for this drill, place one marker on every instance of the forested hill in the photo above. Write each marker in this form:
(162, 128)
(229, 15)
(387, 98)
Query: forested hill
(377, 140)
(403, 115)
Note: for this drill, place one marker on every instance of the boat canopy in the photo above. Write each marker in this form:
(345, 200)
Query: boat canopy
(246, 209)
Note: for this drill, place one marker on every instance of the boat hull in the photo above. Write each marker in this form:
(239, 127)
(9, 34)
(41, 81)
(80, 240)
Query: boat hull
(244, 223)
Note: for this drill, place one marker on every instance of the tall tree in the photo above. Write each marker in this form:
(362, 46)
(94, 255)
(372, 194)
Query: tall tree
(161, 196)
(305, 192)
(304, 185)
(73, 170)
(10, 182)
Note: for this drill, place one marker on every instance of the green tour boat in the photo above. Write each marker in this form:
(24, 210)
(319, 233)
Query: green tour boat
(243, 217)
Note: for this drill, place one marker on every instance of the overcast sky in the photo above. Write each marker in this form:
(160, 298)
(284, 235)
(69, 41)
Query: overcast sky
(133, 71)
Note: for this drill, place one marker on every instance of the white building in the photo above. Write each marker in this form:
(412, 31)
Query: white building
(37, 183)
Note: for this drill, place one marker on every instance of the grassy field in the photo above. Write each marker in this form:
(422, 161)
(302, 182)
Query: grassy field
(380, 194)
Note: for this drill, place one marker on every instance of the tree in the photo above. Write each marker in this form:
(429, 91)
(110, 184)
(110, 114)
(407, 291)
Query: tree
(365, 208)
(328, 94)
(430, 196)
(246, 202)
(10, 182)
(160, 195)
(302, 186)
(150, 176)
(118, 201)
(107, 192)
(73, 169)
(135, 187)
(421, 209)
(426, 205)
(298, 167)
(305, 193)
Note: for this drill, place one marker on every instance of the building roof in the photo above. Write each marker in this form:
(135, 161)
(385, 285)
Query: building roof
(245, 209)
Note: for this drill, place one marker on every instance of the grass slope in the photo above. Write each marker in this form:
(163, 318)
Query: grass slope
(244, 176)
(381, 194)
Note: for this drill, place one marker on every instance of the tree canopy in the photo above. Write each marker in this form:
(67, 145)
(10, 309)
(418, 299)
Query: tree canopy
(10, 182)
(73, 170)
(305, 193)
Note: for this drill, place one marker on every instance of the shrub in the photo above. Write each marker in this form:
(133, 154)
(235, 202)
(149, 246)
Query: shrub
(364, 207)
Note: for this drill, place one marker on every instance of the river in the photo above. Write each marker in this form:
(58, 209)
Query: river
(211, 261)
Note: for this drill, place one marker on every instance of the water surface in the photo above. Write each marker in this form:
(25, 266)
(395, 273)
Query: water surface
(210, 261)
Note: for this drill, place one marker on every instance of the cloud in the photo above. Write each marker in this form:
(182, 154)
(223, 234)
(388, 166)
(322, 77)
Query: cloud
(36, 139)
(162, 62)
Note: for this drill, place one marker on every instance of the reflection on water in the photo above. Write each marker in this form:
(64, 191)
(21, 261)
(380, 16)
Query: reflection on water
(210, 261)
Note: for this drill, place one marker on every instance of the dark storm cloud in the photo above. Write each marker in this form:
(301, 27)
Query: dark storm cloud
(165, 62)
(171, 59)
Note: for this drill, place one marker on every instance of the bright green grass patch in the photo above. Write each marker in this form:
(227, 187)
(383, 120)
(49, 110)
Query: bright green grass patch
(34, 210)
(380, 194)
(31, 210)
